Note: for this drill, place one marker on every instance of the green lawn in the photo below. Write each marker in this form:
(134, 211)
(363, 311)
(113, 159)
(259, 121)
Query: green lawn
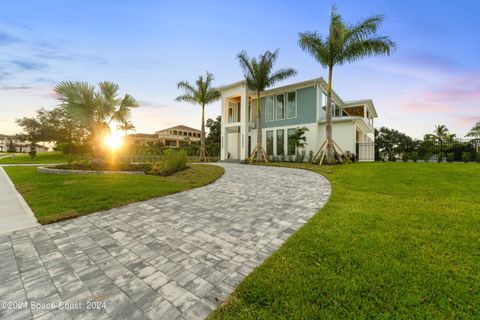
(395, 241)
(57, 197)
(42, 157)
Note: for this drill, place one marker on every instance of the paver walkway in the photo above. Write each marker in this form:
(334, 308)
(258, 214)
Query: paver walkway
(14, 212)
(174, 257)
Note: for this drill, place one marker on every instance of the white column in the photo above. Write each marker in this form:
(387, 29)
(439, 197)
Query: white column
(223, 137)
(243, 123)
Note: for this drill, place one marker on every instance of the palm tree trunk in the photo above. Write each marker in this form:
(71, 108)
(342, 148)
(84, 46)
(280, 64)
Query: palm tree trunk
(202, 138)
(328, 118)
(259, 130)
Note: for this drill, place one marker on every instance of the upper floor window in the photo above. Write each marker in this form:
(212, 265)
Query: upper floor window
(291, 105)
(252, 109)
(280, 107)
(269, 108)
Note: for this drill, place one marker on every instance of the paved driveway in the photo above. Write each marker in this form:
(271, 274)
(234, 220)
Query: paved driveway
(175, 257)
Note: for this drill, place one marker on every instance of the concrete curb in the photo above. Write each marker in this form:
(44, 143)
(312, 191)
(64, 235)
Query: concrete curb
(66, 171)
(22, 201)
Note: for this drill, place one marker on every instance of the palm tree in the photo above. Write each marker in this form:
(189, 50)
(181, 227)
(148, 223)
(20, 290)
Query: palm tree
(345, 43)
(126, 126)
(259, 75)
(440, 133)
(298, 139)
(202, 93)
(475, 131)
(95, 108)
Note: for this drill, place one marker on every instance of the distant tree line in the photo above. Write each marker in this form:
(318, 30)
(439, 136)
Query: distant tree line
(441, 144)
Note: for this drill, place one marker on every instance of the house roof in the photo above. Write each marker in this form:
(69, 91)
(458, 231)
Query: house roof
(365, 102)
(142, 135)
(180, 127)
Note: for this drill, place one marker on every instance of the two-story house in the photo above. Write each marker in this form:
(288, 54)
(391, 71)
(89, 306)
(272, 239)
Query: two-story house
(285, 108)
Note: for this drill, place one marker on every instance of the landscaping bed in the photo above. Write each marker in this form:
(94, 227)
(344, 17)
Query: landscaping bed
(394, 241)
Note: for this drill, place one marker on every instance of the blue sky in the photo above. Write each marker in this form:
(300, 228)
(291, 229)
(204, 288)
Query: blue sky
(148, 46)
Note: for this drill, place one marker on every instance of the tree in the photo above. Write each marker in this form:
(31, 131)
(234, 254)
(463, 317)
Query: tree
(33, 131)
(95, 108)
(298, 139)
(392, 142)
(259, 75)
(202, 93)
(345, 44)
(475, 131)
(126, 126)
(440, 133)
(214, 130)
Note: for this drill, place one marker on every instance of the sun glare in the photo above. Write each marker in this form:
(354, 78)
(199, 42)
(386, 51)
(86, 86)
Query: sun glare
(113, 141)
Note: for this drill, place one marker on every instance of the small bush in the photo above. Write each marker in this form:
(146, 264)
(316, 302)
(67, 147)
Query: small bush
(450, 157)
(414, 156)
(405, 157)
(300, 156)
(172, 161)
(427, 156)
(310, 156)
(466, 156)
(440, 157)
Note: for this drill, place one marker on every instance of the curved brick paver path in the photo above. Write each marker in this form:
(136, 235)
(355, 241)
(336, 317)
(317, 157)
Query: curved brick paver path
(174, 257)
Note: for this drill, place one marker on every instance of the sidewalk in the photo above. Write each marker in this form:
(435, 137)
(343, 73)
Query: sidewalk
(15, 214)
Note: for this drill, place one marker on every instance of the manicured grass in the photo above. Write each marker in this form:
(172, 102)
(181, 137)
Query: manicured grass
(394, 241)
(57, 197)
(42, 157)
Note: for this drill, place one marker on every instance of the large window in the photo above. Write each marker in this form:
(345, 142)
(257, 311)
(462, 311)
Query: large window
(270, 142)
(269, 108)
(291, 141)
(280, 142)
(280, 107)
(231, 112)
(291, 105)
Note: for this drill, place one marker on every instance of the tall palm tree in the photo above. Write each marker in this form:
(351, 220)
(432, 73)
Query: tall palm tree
(259, 75)
(202, 93)
(475, 131)
(345, 43)
(95, 108)
(440, 133)
(126, 126)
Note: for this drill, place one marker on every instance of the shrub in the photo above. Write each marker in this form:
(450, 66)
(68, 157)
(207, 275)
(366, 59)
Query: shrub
(310, 156)
(32, 153)
(405, 156)
(477, 158)
(427, 156)
(440, 157)
(450, 157)
(414, 156)
(172, 161)
(300, 156)
(466, 156)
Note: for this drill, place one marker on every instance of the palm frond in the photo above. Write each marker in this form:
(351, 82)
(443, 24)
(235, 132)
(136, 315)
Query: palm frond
(366, 48)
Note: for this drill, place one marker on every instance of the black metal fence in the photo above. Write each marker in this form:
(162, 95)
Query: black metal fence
(429, 150)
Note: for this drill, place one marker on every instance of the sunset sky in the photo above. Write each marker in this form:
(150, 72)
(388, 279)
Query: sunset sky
(148, 46)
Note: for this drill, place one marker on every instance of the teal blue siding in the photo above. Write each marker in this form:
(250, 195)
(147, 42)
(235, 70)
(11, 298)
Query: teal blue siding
(306, 110)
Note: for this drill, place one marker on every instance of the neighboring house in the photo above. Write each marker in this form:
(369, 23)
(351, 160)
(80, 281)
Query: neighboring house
(8, 142)
(285, 108)
(170, 137)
